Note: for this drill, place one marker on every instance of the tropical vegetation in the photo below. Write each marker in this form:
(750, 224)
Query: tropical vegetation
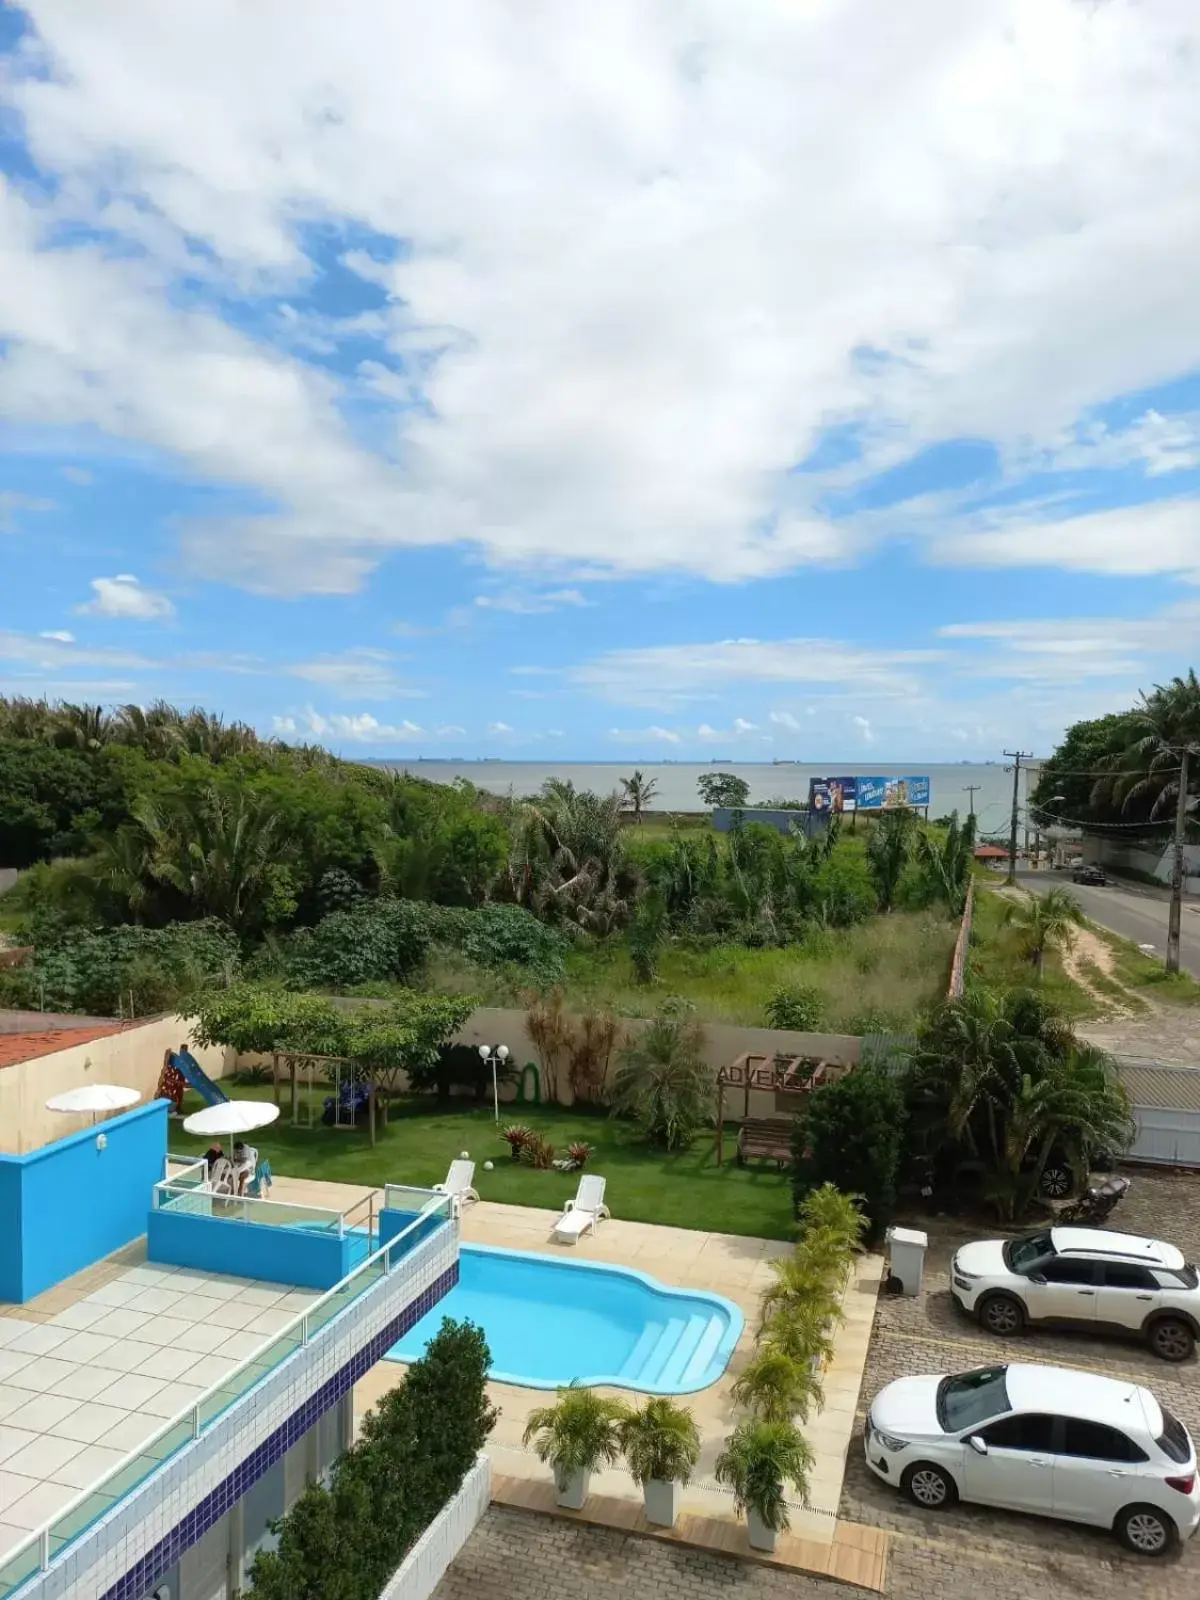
(999, 1084)
(851, 1132)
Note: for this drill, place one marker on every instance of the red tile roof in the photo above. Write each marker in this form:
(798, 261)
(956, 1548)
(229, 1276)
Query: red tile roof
(17, 1047)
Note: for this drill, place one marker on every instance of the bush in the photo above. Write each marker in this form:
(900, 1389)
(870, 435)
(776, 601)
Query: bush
(377, 939)
(796, 1006)
(497, 936)
(344, 1542)
(850, 1132)
(103, 972)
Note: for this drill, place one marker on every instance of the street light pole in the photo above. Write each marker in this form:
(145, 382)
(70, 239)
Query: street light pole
(1017, 757)
(1174, 915)
(972, 789)
(494, 1058)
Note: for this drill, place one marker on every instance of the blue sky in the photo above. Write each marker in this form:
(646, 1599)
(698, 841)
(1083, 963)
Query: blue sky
(661, 382)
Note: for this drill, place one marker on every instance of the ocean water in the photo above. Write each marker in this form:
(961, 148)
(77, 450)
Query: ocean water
(676, 780)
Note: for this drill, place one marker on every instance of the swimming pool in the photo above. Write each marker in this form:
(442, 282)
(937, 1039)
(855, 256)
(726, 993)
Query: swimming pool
(551, 1322)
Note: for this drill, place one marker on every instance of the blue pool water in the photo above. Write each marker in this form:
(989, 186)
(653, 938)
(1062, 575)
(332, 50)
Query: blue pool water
(551, 1322)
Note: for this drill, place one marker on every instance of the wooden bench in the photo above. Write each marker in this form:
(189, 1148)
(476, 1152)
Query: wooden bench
(765, 1139)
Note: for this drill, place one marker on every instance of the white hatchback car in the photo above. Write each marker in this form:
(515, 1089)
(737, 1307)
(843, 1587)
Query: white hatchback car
(1086, 1277)
(1048, 1440)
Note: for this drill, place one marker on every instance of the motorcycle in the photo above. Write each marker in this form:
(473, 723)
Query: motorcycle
(1097, 1204)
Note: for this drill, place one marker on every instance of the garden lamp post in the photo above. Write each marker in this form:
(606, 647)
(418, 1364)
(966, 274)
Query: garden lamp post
(496, 1058)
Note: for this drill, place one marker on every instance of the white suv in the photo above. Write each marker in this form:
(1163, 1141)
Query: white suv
(1087, 1277)
(1047, 1440)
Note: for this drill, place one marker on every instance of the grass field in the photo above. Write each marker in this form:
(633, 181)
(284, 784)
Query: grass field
(875, 976)
(996, 960)
(685, 1190)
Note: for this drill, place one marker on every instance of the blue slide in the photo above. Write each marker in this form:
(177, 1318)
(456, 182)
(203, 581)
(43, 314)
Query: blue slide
(195, 1075)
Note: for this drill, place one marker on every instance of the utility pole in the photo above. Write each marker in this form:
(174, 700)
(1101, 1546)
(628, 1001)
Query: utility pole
(1174, 915)
(972, 789)
(1017, 756)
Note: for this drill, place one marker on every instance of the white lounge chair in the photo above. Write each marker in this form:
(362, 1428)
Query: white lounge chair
(458, 1184)
(221, 1178)
(584, 1212)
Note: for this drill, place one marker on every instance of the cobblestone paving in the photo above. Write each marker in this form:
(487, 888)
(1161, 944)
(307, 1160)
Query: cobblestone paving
(957, 1556)
(934, 1336)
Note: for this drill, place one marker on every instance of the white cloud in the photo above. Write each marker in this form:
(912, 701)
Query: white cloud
(1158, 444)
(79, 475)
(124, 597)
(12, 504)
(52, 652)
(865, 733)
(638, 286)
(354, 728)
(531, 605)
(652, 735)
(496, 729)
(674, 674)
(361, 673)
(59, 634)
(1127, 541)
(785, 719)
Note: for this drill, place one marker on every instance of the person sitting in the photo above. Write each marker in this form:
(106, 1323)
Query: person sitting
(212, 1155)
(245, 1160)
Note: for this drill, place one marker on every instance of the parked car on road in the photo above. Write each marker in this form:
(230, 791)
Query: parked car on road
(1092, 875)
(1082, 1277)
(1048, 1440)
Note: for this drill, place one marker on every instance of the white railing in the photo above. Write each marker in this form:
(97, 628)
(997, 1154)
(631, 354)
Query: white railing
(35, 1553)
(423, 1568)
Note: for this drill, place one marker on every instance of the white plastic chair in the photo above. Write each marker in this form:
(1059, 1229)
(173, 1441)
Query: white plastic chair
(582, 1214)
(458, 1184)
(221, 1179)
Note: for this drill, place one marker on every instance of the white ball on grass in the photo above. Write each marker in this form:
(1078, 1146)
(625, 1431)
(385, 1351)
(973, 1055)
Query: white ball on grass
(488, 1165)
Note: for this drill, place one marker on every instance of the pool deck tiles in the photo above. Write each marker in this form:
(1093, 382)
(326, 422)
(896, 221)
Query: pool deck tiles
(736, 1267)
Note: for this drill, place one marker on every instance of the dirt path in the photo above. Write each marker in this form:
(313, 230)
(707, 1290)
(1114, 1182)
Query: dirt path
(1088, 950)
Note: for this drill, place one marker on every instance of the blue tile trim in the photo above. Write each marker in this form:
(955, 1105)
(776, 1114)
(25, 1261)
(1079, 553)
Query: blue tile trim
(142, 1577)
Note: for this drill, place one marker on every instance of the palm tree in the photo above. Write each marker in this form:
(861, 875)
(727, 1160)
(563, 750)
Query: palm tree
(664, 1083)
(948, 861)
(639, 791)
(1045, 922)
(888, 850)
(775, 1388)
(1168, 738)
(221, 850)
(83, 727)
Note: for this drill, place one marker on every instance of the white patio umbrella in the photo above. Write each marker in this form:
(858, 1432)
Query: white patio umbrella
(94, 1097)
(230, 1117)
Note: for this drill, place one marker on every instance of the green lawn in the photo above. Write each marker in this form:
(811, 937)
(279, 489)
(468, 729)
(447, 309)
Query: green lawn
(684, 1190)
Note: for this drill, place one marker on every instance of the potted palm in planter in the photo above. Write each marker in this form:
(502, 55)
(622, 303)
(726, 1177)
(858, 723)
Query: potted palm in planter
(758, 1462)
(661, 1444)
(574, 1436)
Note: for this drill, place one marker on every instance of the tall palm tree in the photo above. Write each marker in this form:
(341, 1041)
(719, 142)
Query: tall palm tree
(1045, 922)
(639, 791)
(83, 727)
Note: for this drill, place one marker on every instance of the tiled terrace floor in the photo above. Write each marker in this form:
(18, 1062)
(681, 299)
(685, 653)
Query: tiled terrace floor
(93, 1368)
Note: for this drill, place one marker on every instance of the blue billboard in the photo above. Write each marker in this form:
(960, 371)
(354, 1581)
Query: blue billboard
(891, 794)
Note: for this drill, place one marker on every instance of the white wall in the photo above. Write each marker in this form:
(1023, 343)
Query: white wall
(132, 1058)
(423, 1567)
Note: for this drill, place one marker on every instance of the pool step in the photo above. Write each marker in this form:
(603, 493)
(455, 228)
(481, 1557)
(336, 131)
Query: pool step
(660, 1354)
(677, 1363)
(640, 1353)
(694, 1374)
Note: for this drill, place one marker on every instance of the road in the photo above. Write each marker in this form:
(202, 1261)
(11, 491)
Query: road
(1136, 914)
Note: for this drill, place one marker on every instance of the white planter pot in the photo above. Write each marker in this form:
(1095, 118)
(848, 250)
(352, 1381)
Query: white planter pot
(761, 1537)
(661, 1497)
(572, 1488)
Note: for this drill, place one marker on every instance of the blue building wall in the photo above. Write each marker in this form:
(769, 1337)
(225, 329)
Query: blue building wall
(70, 1204)
(305, 1256)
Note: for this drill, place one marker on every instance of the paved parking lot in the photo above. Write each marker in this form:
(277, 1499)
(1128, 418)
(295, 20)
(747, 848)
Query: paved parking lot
(934, 1336)
(956, 1556)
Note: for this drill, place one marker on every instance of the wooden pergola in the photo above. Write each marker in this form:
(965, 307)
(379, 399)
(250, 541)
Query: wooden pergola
(775, 1075)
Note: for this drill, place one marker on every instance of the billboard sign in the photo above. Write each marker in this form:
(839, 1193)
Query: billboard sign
(827, 796)
(892, 794)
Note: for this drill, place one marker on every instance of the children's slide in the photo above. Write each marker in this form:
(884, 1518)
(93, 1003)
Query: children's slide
(196, 1078)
